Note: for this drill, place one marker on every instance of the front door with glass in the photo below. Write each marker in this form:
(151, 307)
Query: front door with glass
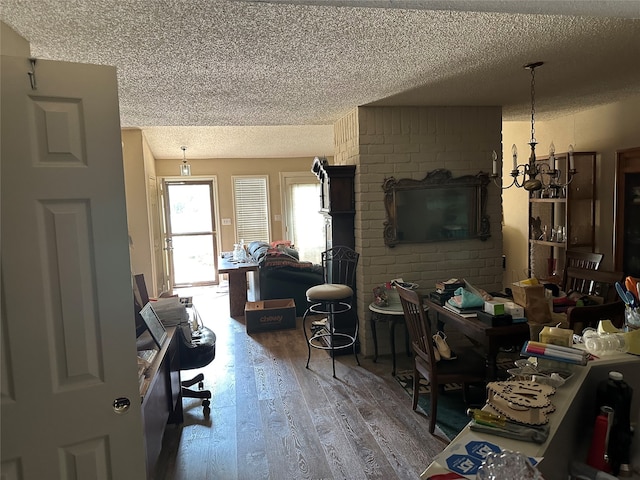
(190, 236)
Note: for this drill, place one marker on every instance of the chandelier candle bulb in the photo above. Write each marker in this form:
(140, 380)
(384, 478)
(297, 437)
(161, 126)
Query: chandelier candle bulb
(514, 152)
(571, 165)
(495, 162)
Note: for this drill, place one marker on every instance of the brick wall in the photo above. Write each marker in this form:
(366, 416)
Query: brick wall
(408, 142)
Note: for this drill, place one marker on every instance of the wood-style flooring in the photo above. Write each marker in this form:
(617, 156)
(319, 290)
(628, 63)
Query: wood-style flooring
(271, 418)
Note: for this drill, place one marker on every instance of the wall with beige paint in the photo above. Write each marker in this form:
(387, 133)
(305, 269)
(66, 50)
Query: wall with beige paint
(12, 44)
(604, 130)
(225, 168)
(139, 167)
(408, 142)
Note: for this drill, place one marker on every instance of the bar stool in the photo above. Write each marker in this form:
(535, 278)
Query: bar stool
(333, 298)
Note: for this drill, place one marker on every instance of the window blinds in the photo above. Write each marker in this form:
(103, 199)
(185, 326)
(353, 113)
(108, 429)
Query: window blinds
(251, 204)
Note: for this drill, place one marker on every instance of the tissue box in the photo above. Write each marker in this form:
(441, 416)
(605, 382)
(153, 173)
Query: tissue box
(494, 307)
(513, 309)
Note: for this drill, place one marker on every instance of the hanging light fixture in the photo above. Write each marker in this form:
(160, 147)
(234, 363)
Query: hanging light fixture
(185, 168)
(540, 174)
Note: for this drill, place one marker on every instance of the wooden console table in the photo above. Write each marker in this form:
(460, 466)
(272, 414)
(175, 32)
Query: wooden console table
(492, 338)
(237, 273)
(160, 394)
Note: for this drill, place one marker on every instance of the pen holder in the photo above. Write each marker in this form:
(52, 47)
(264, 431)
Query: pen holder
(631, 318)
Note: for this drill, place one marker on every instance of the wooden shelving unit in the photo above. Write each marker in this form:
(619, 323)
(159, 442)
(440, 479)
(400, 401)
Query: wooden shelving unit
(572, 208)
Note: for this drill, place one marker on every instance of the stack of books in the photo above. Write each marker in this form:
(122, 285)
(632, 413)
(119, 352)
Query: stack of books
(440, 298)
(444, 290)
(449, 286)
(555, 352)
(172, 311)
(471, 312)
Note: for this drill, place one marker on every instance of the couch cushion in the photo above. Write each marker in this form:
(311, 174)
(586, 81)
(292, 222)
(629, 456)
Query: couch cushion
(273, 257)
(284, 260)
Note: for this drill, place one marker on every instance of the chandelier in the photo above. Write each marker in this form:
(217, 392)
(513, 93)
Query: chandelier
(535, 175)
(185, 168)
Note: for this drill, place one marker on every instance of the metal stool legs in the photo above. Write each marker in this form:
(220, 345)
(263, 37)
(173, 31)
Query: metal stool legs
(326, 338)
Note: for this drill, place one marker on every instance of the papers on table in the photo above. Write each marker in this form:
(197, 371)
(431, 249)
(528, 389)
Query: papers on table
(465, 455)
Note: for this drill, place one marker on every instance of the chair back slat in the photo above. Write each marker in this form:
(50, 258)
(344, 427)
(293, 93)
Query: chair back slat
(599, 283)
(339, 265)
(417, 323)
(586, 260)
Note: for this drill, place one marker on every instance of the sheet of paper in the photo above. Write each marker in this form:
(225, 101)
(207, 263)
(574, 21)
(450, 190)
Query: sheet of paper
(465, 455)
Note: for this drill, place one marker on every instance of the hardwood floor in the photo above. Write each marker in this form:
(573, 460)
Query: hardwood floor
(271, 418)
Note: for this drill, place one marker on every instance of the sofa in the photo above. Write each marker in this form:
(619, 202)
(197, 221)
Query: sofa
(281, 273)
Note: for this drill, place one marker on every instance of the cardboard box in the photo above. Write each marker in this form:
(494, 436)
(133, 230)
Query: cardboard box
(268, 315)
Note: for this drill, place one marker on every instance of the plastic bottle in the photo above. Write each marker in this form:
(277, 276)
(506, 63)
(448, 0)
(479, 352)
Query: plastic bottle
(616, 394)
(243, 250)
(607, 343)
(236, 252)
(597, 456)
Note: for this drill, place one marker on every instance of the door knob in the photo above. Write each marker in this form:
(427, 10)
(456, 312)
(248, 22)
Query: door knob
(121, 405)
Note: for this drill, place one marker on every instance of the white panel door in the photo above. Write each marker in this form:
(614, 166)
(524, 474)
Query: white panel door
(68, 340)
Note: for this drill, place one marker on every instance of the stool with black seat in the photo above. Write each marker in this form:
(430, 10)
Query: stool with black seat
(333, 298)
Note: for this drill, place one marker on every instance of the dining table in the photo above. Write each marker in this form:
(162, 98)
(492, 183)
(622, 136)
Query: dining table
(481, 334)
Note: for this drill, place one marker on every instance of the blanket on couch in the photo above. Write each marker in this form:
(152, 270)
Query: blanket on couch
(283, 275)
(278, 255)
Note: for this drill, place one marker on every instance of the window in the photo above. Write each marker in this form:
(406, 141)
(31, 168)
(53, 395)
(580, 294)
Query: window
(303, 222)
(251, 205)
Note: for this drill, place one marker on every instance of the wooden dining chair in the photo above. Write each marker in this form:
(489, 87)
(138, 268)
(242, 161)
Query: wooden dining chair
(601, 285)
(467, 368)
(586, 260)
(596, 283)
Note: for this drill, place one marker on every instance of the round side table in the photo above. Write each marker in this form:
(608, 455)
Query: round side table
(393, 314)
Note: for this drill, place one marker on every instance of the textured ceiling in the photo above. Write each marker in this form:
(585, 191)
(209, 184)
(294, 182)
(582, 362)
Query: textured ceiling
(268, 79)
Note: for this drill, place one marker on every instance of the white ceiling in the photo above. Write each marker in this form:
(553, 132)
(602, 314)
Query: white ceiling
(238, 78)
